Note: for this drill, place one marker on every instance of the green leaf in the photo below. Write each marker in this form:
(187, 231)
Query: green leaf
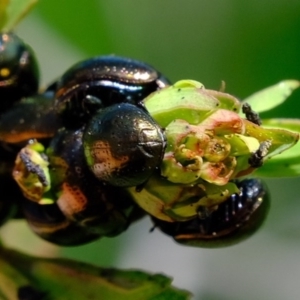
(3, 15)
(281, 138)
(67, 279)
(13, 11)
(272, 96)
(286, 164)
(10, 280)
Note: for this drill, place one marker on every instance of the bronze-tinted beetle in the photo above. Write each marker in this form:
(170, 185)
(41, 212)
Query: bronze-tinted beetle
(102, 81)
(123, 145)
(108, 210)
(84, 209)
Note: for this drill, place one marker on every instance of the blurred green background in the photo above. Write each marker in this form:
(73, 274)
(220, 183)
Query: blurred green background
(249, 45)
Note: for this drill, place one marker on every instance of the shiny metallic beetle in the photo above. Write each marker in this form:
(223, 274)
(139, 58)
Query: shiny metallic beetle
(24, 113)
(233, 221)
(84, 209)
(123, 145)
(102, 81)
(19, 74)
(31, 117)
(130, 143)
(19, 77)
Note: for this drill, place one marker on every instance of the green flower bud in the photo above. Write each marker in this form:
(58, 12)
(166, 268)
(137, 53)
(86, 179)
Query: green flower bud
(208, 145)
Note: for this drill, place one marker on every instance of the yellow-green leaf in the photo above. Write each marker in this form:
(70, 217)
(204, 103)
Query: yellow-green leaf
(287, 163)
(272, 96)
(13, 11)
(281, 138)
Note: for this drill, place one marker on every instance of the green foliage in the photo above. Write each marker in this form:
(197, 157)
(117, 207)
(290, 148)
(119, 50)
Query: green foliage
(13, 11)
(272, 96)
(286, 164)
(67, 279)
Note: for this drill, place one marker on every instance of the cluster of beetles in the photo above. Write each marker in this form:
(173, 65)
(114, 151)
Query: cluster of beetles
(98, 101)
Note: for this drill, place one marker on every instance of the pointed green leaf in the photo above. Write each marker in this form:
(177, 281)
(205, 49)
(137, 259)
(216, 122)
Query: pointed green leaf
(281, 138)
(288, 163)
(13, 11)
(272, 96)
(69, 280)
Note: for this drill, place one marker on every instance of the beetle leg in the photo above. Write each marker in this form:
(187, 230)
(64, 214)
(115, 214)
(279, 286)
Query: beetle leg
(91, 103)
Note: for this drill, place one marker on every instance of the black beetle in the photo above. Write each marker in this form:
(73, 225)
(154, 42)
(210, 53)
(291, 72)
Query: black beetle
(102, 81)
(233, 221)
(83, 208)
(31, 117)
(19, 73)
(123, 145)
(48, 222)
